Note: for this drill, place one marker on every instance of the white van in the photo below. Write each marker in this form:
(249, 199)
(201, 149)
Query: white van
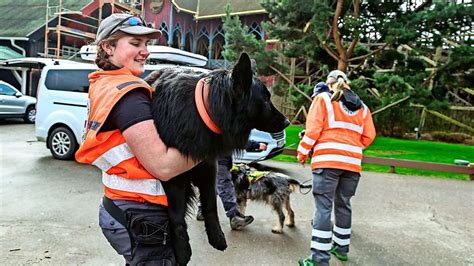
(61, 110)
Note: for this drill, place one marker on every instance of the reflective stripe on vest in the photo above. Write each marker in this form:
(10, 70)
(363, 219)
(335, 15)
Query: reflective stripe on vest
(151, 187)
(308, 142)
(336, 158)
(332, 123)
(113, 157)
(338, 146)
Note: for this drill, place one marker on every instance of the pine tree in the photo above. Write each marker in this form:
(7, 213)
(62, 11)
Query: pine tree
(238, 40)
(385, 47)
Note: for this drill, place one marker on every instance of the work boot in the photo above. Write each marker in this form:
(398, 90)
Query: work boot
(337, 254)
(239, 221)
(199, 215)
(306, 262)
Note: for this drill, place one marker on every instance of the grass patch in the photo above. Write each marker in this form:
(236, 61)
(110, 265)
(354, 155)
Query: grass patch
(416, 150)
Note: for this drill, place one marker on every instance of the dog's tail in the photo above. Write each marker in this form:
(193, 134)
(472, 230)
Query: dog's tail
(295, 185)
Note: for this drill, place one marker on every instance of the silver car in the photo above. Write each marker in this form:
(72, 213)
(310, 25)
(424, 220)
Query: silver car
(13, 104)
(275, 143)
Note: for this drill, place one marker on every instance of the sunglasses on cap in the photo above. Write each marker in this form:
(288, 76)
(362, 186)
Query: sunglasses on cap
(130, 21)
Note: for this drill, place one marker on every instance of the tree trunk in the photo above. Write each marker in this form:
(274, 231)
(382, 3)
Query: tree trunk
(342, 65)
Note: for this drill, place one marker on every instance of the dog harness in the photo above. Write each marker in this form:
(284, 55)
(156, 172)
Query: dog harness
(254, 176)
(336, 135)
(201, 95)
(123, 176)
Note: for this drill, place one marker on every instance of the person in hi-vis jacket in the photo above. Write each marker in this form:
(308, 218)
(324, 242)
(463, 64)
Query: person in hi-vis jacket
(338, 127)
(122, 141)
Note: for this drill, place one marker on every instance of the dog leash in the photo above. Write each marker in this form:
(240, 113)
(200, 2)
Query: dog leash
(304, 184)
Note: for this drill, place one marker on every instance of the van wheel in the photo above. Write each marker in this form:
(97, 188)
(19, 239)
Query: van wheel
(30, 115)
(62, 143)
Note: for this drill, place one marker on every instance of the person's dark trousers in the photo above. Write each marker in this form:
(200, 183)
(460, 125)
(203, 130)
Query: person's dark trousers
(225, 187)
(332, 186)
(135, 253)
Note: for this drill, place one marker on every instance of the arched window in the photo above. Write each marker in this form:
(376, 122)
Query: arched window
(218, 44)
(188, 43)
(256, 30)
(164, 34)
(177, 37)
(203, 42)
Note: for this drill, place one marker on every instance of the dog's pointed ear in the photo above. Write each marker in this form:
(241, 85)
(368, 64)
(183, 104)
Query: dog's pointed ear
(242, 73)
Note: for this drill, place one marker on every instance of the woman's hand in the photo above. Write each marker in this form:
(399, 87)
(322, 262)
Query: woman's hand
(302, 159)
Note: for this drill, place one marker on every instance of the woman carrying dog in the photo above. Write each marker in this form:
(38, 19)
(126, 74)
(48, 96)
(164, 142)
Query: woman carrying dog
(123, 142)
(338, 127)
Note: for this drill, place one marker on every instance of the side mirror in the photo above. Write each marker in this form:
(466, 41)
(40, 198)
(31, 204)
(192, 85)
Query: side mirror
(18, 94)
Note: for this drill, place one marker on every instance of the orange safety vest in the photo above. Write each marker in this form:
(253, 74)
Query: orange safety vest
(123, 176)
(336, 135)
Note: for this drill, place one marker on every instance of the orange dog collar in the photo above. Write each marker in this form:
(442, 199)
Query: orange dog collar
(201, 96)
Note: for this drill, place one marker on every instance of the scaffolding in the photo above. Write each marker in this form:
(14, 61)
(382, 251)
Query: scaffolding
(78, 26)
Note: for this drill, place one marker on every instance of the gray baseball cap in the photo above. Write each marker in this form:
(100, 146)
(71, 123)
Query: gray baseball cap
(127, 23)
(334, 75)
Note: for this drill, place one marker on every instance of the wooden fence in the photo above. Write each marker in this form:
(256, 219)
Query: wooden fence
(458, 169)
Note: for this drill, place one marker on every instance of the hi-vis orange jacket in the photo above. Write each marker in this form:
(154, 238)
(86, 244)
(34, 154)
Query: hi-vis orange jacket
(336, 135)
(122, 174)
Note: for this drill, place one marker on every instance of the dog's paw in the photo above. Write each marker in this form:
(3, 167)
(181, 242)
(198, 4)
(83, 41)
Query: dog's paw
(290, 224)
(181, 245)
(183, 254)
(277, 230)
(217, 239)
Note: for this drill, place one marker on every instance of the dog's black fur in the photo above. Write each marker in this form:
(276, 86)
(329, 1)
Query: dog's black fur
(272, 188)
(238, 103)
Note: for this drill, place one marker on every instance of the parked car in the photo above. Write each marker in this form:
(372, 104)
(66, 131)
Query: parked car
(62, 104)
(13, 104)
(275, 144)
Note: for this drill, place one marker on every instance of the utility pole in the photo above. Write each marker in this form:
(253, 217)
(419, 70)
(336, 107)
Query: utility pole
(58, 30)
(46, 30)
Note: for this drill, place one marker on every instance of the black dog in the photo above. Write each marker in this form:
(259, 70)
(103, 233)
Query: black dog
(271, 188)
(237, 103)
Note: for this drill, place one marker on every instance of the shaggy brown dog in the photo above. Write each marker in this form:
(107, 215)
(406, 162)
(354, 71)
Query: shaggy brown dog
(269, 187)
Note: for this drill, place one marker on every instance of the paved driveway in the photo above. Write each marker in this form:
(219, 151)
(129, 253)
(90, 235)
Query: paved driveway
(49, 217)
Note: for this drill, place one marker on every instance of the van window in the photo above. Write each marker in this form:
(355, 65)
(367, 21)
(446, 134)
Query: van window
(68, 80)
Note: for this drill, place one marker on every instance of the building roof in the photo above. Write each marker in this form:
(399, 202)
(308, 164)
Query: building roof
(7, 53)
(19, 18)
(207, 9)
(189, 6)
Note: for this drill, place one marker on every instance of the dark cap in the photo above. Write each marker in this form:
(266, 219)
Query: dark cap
(319, 88)
(127, 23)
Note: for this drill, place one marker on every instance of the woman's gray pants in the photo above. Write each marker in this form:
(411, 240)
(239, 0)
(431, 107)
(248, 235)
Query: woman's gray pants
(332, 186)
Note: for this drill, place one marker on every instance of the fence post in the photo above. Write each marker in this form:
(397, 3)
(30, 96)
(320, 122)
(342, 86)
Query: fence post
(392, 169)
